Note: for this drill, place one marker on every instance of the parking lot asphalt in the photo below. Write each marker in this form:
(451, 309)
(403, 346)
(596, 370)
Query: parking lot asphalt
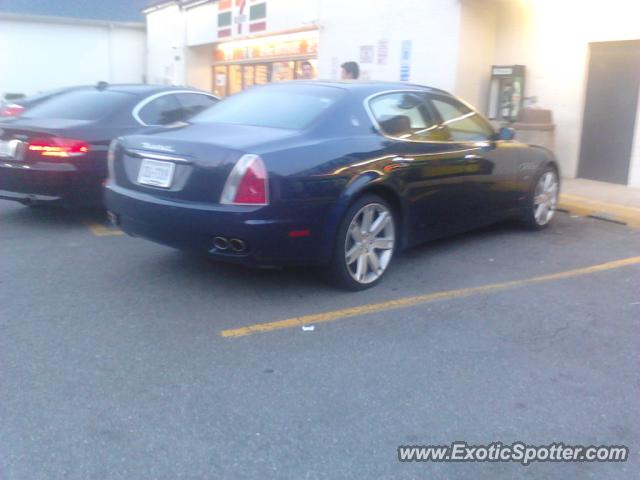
(114, 363)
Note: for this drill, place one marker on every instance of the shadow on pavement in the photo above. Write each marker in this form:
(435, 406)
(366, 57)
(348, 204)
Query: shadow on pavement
(56, 218)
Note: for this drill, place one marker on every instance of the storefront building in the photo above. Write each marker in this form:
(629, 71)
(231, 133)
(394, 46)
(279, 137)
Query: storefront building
(225, 46)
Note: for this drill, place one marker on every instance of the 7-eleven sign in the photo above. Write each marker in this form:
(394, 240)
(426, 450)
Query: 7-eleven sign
(238, 17)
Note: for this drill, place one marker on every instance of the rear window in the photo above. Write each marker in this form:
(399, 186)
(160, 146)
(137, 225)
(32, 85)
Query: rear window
(47, 93)
(290, 107)
(81, 105)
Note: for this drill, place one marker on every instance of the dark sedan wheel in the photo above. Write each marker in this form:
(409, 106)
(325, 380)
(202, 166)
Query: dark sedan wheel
(364, 245)
(543, 200)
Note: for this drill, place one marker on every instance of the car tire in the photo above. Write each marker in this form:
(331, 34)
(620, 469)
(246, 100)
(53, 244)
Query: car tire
(365, 243)
(543, 199)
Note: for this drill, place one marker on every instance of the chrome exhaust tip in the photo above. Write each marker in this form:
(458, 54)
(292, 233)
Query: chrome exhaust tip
(237, 245)
(221, 243)
(113, 219)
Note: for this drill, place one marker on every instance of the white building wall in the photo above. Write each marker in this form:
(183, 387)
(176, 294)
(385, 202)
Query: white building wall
(202, 24)
(634, 171)
(477, 49)
(431, 25)
(166, 41)
(552, 38)
(199, 72)
(128, 55)
(39, 55)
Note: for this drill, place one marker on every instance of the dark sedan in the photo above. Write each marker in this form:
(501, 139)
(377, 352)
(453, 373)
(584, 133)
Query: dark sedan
(18, 106)
(56, 151)
(339, 175)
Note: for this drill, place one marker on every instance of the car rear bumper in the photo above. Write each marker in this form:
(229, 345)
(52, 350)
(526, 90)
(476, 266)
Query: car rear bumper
(193, 227)
(52, 183)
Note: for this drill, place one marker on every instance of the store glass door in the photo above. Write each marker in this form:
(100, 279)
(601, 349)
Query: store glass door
(283, 71)
(248, 74)
(262, 73)
(235, 79)
(220, 81)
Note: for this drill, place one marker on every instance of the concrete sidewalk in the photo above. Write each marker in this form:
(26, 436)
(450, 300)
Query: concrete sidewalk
(616, 203)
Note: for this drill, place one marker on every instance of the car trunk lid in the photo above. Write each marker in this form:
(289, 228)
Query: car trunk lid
(15, 136)
(202, 156)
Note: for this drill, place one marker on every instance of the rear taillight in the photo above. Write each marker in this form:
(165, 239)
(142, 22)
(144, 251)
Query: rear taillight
(247, 183)
(58, 147)
(11, 110)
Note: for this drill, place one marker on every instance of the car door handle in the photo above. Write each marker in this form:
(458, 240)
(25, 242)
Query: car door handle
(471, 158)
(402, 160)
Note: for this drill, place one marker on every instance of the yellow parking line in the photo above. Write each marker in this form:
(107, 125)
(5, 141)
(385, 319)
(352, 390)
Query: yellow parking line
(405, 302)
(102, 231)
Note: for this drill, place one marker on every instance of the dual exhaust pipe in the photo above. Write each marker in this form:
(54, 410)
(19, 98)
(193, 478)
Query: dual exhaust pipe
(234, 244)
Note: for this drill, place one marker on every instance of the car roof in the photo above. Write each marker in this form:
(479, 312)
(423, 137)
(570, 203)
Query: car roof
(142, 89)
(132, 88)
(366, 87)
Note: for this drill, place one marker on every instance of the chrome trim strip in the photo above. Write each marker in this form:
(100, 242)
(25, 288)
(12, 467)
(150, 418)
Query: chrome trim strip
(156, 156)
(135, 113)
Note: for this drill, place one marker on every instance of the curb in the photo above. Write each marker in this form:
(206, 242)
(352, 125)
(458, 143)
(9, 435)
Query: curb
(611, 212)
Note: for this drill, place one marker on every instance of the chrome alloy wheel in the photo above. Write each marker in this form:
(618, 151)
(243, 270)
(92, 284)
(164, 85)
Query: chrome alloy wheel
(369, 243)
(545, 198)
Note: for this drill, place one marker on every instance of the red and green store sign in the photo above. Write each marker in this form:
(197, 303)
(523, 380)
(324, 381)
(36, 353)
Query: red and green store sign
(241, 17)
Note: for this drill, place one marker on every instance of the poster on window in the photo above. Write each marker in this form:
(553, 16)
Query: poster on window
(366, 54)
(383, 51)
(405, 61)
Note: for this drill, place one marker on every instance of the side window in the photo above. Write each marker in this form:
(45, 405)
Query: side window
(162, 111)
(193, 103)
(463, 124)
(405, 115)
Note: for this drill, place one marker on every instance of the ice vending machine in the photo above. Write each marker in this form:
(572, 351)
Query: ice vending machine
(506, 92)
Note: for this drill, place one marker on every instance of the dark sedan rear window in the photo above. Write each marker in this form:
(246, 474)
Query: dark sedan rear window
(290, 107)
(81, 105)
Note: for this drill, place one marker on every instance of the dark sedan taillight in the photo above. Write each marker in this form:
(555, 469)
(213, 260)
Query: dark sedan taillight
(11, 110)
(58, 147)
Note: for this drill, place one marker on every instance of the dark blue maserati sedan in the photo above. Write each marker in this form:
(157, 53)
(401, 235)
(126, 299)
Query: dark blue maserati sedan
(333, 174)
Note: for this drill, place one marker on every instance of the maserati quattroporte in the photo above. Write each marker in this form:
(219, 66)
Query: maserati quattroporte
(334, 174)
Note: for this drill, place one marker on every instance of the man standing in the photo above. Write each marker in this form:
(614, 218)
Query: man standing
(350, 71)
(307, 70)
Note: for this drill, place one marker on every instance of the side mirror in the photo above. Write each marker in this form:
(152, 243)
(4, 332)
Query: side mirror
(506, 133)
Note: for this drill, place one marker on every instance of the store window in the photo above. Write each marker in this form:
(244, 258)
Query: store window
(230, 79)
(235, 79)
(244, 63)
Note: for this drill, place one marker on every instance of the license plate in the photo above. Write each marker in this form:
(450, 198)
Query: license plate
(8, 148)
(156, 173)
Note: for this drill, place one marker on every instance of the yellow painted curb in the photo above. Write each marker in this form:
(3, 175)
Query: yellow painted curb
(595, 208)
(102, 231)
